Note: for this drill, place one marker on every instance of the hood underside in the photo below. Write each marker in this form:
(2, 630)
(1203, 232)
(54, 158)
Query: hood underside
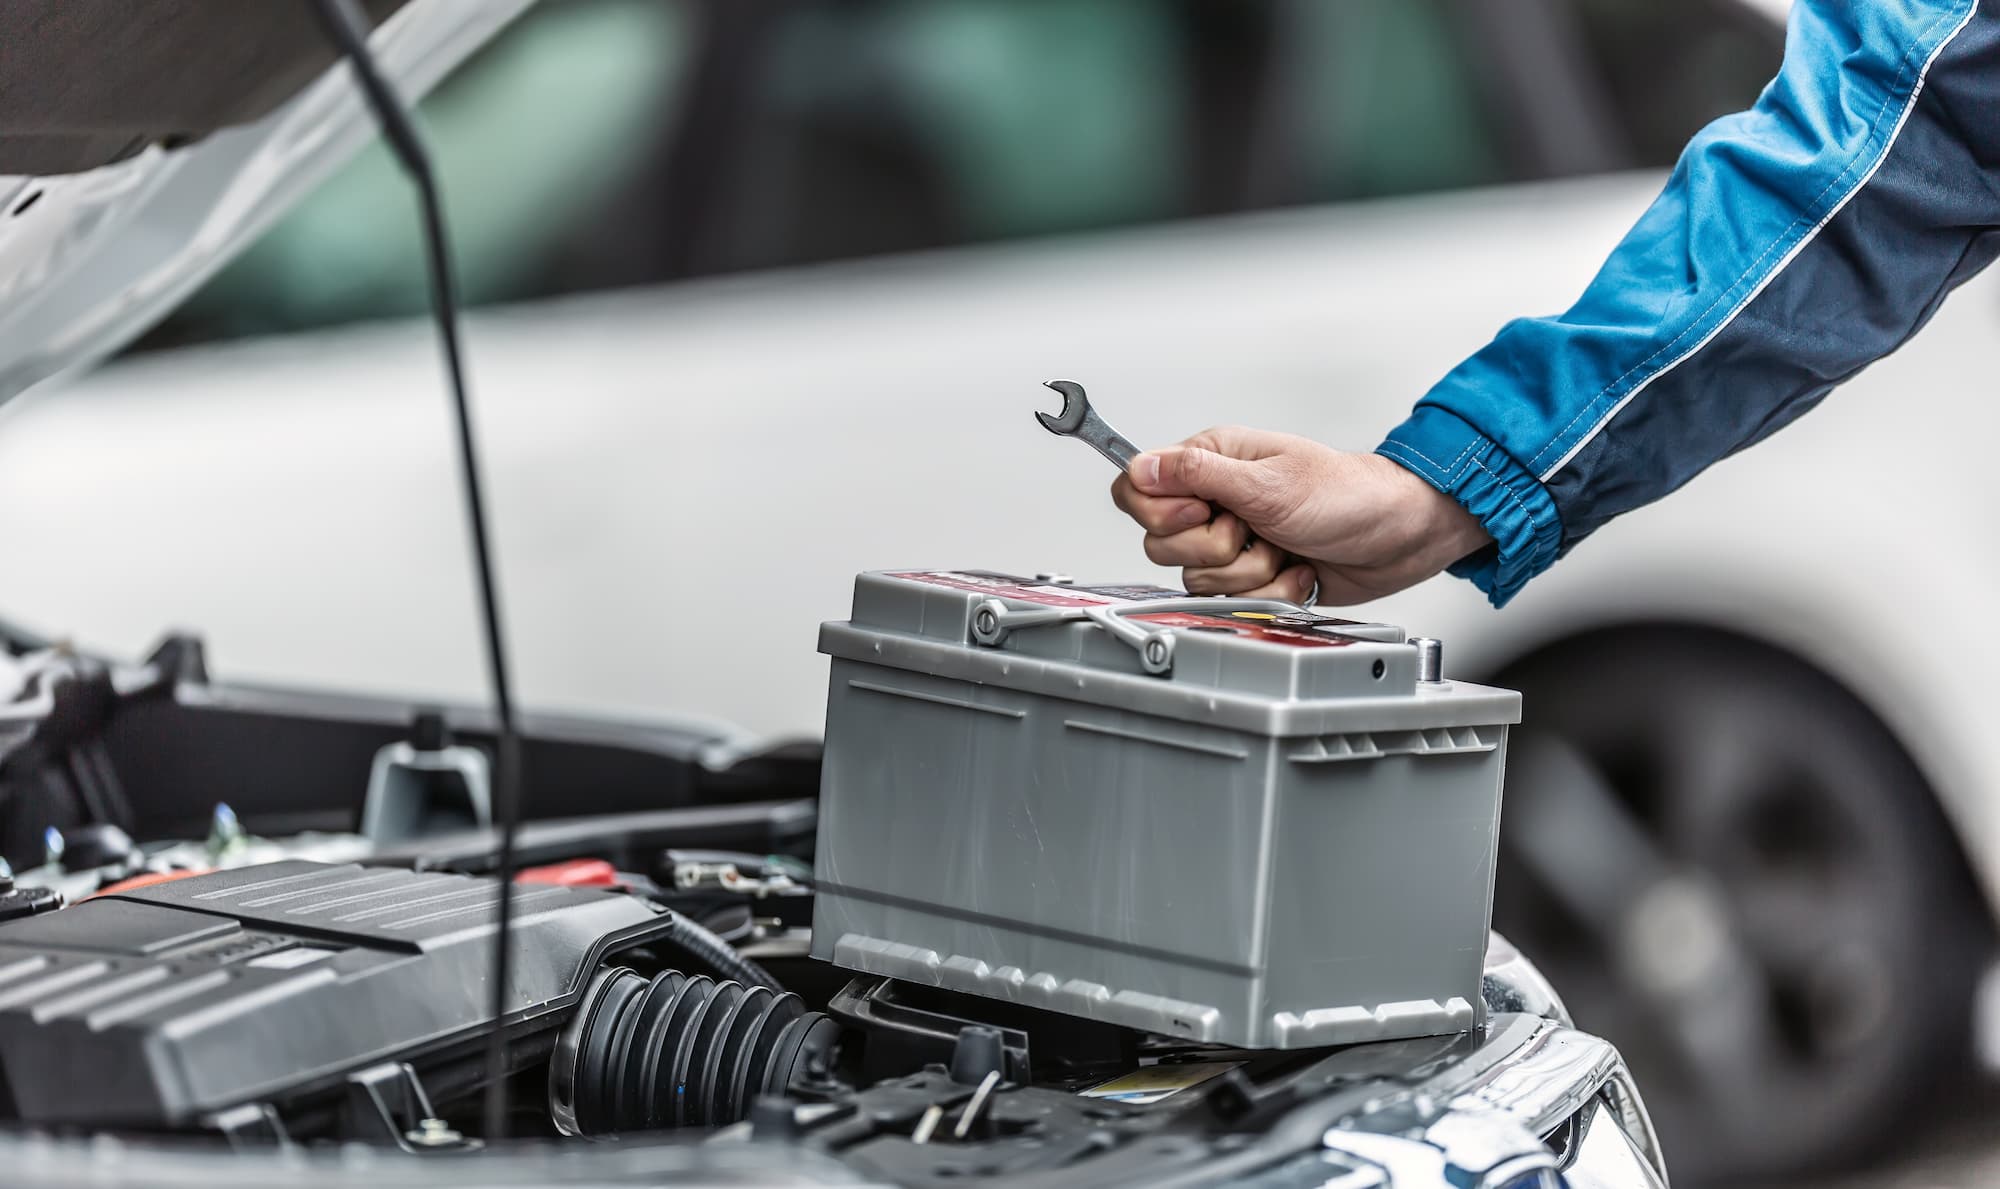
(91, 82)
(142, 146)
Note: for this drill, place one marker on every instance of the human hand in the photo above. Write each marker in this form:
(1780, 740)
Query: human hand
(1359, 524)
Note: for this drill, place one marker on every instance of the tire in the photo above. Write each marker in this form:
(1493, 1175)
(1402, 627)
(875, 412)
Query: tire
(1731, 869)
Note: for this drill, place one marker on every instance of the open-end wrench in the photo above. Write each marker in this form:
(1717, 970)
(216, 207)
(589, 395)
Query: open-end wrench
(1079, 420)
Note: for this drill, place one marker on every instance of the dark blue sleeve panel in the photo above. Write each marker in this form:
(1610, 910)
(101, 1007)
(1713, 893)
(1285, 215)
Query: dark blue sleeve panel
(1793, 244)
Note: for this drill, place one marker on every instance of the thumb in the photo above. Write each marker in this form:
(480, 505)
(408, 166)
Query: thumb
(1190, 470)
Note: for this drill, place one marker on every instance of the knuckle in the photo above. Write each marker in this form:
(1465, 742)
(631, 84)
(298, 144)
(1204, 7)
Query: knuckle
(1156, 516)
(1212, 437)
(1222, 542)
(1261, 564)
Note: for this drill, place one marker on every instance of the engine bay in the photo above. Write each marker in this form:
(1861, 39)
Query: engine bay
(303, 1005)
(199, 944)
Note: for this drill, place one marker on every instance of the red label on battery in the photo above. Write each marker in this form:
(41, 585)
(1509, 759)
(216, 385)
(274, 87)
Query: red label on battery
(1298, 629)
(1027, 590)
(1293, 631)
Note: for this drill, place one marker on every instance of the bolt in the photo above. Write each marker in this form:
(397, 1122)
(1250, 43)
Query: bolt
(1430, 660)
(429, 731)
(433, 1133)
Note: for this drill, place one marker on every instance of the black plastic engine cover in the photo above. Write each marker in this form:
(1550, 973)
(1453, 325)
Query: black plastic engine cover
(157, 1006)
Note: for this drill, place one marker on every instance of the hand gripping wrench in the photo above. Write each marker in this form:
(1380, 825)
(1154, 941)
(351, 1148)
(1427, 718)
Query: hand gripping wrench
(1079, 420)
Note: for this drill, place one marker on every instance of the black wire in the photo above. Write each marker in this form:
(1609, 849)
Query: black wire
(347, 28)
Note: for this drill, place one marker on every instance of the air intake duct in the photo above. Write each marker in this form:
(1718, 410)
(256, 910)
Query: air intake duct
(676, 1050)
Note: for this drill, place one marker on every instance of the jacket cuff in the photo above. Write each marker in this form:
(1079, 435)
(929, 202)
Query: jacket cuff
(1452, 456)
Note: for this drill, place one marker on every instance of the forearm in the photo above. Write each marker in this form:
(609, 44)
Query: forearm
(1793, 244)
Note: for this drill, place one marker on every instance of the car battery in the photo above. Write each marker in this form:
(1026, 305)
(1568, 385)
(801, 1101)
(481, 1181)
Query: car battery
(1226, 820)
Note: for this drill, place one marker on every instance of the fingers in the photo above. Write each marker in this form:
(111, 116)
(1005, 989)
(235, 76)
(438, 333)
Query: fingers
(1201, 473)
(1255, 567)
(1159, 515)
(1167, 490)
(1216, 543)
(1294, 584)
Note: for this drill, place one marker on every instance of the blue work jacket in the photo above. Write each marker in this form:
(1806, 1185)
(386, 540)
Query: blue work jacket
(1793, 244)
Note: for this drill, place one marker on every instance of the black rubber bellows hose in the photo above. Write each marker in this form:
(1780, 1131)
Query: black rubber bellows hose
(675, 1050)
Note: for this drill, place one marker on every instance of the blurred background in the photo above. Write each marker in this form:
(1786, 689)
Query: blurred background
(764, 293)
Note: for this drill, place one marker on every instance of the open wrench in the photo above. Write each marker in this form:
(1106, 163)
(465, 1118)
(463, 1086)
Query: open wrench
(1079, 420)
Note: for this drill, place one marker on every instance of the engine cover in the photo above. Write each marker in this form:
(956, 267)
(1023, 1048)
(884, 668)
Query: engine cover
(158, 1006)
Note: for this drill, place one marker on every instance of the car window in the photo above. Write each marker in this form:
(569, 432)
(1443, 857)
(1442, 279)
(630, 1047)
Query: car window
(529, 140)
(608, 143)
(1667, 69)
(1384, 102)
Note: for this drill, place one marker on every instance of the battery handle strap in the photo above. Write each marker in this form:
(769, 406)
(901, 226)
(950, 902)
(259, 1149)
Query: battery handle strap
(993, 620)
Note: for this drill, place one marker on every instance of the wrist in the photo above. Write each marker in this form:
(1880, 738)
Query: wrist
(1441, 525)
(1456, 531)
(1510, 504)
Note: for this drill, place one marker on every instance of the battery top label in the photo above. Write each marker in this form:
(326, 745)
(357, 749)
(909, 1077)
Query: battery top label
(1292, 631)
(1027, 590)
(1296, 629)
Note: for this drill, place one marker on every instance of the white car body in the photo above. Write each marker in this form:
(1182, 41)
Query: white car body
(294, 497)
(300, 494)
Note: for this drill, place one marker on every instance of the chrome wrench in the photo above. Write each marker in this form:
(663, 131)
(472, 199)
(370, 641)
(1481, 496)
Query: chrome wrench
(1079, 420)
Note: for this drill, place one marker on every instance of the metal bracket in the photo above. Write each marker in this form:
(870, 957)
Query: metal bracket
(386, 1102)
(251, 1127)
(993, 620)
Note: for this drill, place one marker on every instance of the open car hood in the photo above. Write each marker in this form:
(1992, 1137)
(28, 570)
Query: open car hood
(141, 147)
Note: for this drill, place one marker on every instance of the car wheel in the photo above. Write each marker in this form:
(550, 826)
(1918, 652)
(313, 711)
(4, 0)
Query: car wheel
(1730, 868)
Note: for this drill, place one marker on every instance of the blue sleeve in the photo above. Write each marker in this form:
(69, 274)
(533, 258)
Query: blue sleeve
(1793, 244)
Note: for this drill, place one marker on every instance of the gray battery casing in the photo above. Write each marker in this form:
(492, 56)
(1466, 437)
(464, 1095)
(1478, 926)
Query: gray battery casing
(1269, 846)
